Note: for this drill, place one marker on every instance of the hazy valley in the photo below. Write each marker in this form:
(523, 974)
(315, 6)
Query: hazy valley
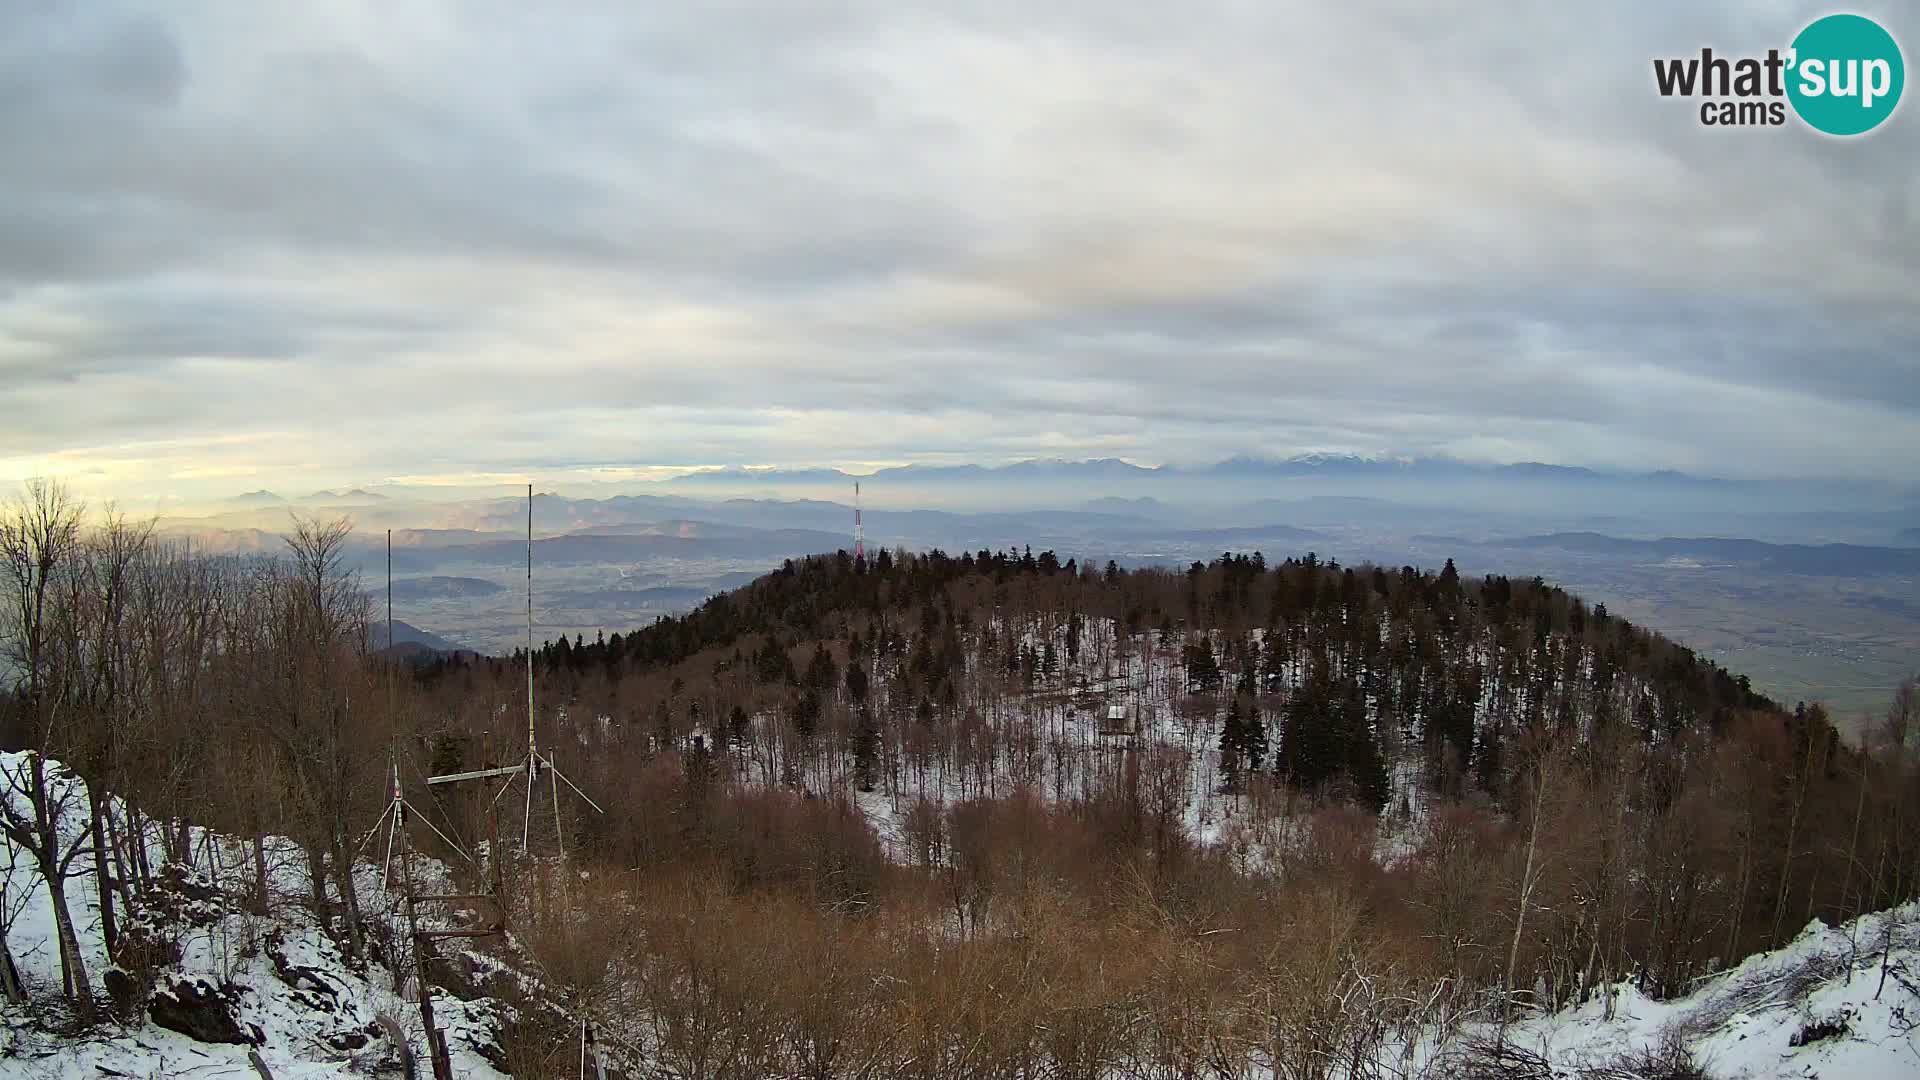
(1812, 606)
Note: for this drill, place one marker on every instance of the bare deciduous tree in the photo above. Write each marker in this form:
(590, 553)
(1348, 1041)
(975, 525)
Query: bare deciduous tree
(40, 807)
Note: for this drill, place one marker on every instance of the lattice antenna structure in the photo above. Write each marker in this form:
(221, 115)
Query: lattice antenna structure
(859, 528)
(534, 763)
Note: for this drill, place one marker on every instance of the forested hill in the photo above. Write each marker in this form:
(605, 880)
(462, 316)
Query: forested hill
(1338, 670)
(1543, 788)
(950, 816)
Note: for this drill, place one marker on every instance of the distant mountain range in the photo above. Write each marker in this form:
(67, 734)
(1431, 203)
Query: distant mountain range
(613, 549)
(1144, 506)
(1828, 560)
(1239, 538)
(1109, 469)
(229, 541)
(356, 495)
(263, 497)
(1233, 491)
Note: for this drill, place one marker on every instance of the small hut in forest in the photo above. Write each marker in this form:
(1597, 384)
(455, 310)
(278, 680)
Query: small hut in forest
(1120, 719)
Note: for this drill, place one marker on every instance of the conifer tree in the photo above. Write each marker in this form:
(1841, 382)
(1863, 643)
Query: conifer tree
(1253, 742)
(1273, 662)
(822, 672)
(806, 716)
(866, 748)
(1365, 765)
(1232, 738)
(737, 730)
(1243, 740)
(1310, 742)
(1203, 669)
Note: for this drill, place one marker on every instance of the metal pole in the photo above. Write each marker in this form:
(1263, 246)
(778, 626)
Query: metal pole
(859, 528)
(393, 757)
(386, 868)
(559, 841)
(530, 746)
(442, 1069)
(493, 847)
(397, 828)
(533, 757)
(526, 815)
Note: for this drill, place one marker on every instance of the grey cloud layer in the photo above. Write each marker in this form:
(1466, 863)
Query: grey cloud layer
(356, 242)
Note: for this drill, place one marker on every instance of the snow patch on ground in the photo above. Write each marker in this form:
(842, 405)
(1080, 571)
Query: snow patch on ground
(284, 980)
(1839, 1002)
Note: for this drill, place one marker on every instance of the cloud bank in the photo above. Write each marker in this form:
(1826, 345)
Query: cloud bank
(348, 242)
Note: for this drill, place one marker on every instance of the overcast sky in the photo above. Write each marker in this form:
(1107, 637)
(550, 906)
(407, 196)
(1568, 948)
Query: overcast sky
(305, 244)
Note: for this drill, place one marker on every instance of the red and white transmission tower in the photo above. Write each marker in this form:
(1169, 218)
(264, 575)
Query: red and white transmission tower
(859, 530)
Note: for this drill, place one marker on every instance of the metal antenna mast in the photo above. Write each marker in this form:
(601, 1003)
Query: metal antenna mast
(395, 820)
(393, 758)
(530, 743)
(535, 762)
(859, 529)
(533, 753)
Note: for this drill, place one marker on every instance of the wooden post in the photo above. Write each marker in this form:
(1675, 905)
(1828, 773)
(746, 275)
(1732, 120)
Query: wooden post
(442, 1061)
(436, 1048)
(493, 851)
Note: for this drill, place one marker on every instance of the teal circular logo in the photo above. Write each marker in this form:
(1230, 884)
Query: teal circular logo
(1846, 74)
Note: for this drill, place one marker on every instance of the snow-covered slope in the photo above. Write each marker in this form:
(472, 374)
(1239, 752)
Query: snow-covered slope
(1837, 1002)
(1841, 1002)
(285, 987)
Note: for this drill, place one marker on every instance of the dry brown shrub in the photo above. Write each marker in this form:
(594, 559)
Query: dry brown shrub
(701, 993)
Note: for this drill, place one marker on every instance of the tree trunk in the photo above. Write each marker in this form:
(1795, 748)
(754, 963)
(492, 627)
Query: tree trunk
(10, 987)
(317, 878)
(73, 965)
(260, 894)
(104, 882)
(343, 870)
(1807, 768)
(122, 880)
(1853, 842)
(1744, 877)
(1526, 880)
(137, 844)
(1786, 869)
